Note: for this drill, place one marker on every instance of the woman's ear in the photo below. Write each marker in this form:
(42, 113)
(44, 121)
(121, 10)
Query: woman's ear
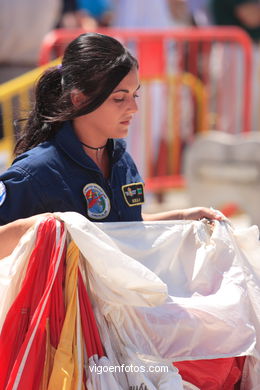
(78, 98)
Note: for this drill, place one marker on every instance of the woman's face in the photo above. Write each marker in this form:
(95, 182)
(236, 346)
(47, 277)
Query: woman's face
(113, 117)
(249, 14)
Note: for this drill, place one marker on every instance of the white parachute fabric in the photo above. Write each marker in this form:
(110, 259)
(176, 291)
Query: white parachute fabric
(114, 274)
(162, 292)
(124, 282)
(212, 309)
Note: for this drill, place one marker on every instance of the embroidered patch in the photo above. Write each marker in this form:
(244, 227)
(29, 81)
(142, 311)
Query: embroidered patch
(97, 201)
(133, 194)
(2, 193)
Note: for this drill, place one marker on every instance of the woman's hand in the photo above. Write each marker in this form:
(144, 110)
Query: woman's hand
(193, 213)
(197, 213)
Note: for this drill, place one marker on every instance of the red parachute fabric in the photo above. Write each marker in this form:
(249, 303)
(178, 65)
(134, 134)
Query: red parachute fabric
(57, 306)
(23, 337)
(213, 374)
(88, 322)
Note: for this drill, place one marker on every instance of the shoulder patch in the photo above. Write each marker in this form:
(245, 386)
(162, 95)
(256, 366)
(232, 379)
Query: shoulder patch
(2, 193)
(133, 194)
(98, 202)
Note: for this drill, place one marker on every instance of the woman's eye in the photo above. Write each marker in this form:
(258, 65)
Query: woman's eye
(122, 99)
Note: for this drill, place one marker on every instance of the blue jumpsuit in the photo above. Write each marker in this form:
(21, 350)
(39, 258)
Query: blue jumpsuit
(57, 175)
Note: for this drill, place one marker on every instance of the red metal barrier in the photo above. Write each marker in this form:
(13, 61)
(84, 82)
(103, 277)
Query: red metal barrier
(223, 103)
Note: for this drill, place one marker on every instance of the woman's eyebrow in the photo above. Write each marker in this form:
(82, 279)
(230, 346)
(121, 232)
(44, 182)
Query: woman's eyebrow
(126, 90)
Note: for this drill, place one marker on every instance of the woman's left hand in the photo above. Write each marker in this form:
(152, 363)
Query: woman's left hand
(197, 213)
(193, 213)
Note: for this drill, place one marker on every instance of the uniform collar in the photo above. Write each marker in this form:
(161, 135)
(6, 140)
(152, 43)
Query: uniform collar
(69, 143)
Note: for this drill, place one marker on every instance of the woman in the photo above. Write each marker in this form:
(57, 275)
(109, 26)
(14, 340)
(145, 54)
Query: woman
(71, 156)
(241, 13)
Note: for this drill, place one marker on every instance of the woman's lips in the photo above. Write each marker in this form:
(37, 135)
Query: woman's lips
(126, 122)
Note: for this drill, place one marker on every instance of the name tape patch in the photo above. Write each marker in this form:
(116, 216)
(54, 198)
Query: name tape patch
(98, 203)
(133, 194)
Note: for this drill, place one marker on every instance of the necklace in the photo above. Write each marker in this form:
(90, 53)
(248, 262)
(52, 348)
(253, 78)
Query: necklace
(91, 147)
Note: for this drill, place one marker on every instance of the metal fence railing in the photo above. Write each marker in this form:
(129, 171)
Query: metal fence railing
(15, 102)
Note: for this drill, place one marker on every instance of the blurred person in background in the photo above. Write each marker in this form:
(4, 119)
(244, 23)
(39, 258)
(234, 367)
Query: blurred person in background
(160, 14)
(100, 10)
(86, 14)
(150, 13)
(246, 15)
(68, 18)
(241, 13)
(23, 24)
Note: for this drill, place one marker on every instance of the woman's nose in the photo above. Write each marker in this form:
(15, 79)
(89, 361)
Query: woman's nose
(133, 107)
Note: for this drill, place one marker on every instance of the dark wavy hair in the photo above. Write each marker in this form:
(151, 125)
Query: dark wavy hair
(94, 64)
